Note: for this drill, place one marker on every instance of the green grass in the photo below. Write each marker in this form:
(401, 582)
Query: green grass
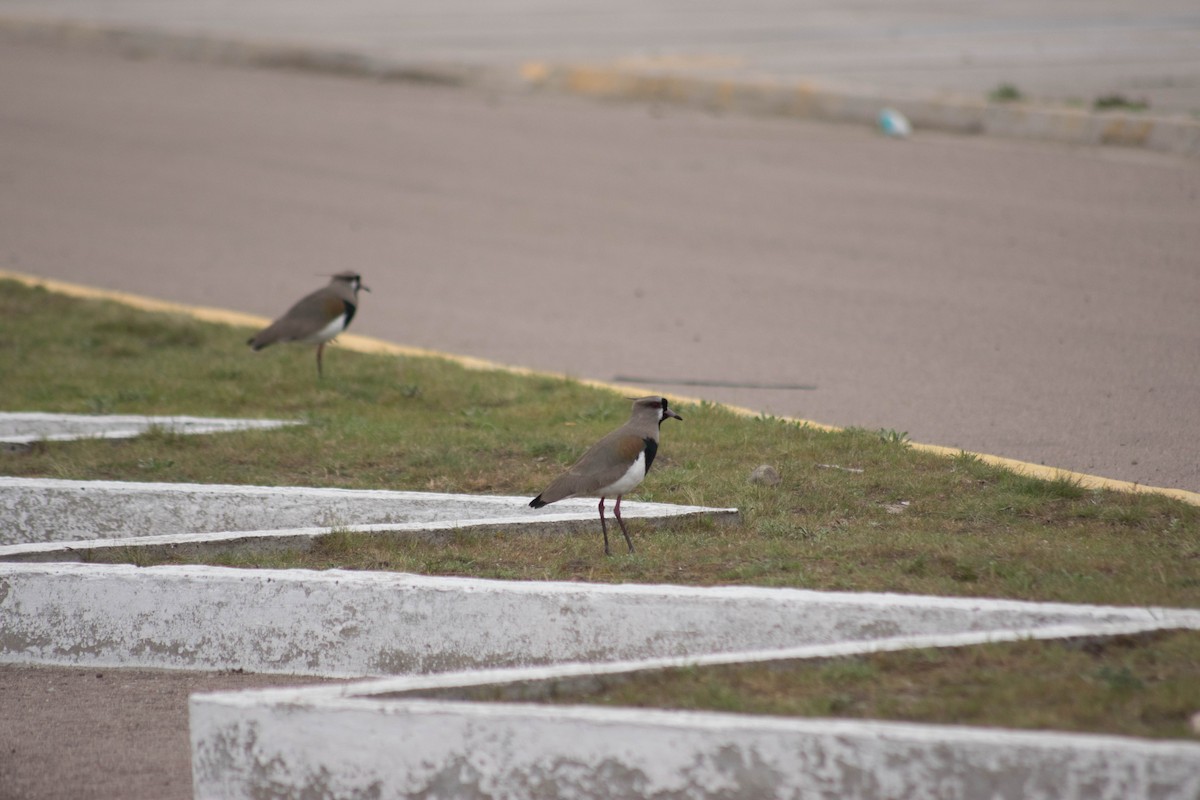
(1133, 686)
(856, 510)
(1118, 102)
(1006, 93)
(908, 521)
(1009, 93)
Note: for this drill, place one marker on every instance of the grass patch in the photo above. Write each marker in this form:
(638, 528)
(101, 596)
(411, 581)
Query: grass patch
(1006, 93)
(1135, 686)
(855, 510)
(1119, 102)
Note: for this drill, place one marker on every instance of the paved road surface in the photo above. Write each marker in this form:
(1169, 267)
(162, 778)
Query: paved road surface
(1069, 50)
(1031, 301)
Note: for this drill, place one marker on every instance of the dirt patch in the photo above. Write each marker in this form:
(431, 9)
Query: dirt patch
(104, 733)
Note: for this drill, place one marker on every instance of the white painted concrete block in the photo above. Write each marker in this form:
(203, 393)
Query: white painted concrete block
(37, 511)
(25, 427)
(296, 743)
(341, 623)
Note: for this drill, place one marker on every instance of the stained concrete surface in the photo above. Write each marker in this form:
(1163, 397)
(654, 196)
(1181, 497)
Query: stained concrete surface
(65, 518)
(413, 746)
(346, 623)
(26, 427)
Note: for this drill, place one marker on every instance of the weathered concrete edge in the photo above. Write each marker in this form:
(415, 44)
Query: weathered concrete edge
(340, 623)
(140, 41)
(501, 513)
(367, 344)
(402, 746)
(127, 426)
(414, 749)
(446, 684)
(330, 492)
(722, 92)
(1151, 615)
(303, 538)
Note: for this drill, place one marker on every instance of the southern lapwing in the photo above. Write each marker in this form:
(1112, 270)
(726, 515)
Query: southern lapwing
(614, 465)
(317, 318)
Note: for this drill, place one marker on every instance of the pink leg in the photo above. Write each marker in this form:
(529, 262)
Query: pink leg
(617, 514)
(604, 528)
(320, 350)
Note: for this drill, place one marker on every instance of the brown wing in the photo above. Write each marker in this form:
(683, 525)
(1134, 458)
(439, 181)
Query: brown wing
(603, 464)
(306, 317)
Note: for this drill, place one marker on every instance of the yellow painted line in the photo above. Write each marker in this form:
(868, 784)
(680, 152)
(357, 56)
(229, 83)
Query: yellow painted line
(534, 71)
(1055, 473)
(366, 344)
(134, 301)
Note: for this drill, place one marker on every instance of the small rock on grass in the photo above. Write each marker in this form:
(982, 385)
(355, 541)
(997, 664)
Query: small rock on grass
(765, 475)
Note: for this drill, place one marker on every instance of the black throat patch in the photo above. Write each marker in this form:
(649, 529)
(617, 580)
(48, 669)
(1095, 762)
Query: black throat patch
(650, 451)
(350, 309)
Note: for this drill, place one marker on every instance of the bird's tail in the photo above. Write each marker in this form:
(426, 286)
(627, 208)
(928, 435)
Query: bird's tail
(537, 502)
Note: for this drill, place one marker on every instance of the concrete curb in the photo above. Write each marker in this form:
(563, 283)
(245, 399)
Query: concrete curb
(339, 623)
(373, 741)
(26, 428)
(365, 344)
(803, 99)
(139, 42)
(64, 520)
(716, 90)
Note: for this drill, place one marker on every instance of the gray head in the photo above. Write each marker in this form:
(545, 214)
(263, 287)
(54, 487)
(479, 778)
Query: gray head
(351, 280)
(655, 408)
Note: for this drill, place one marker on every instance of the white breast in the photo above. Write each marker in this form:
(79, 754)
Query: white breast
(331, 330)
(627, 482)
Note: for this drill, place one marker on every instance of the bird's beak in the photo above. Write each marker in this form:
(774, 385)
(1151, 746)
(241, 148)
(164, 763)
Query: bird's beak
(669, 413)
(364, 287)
